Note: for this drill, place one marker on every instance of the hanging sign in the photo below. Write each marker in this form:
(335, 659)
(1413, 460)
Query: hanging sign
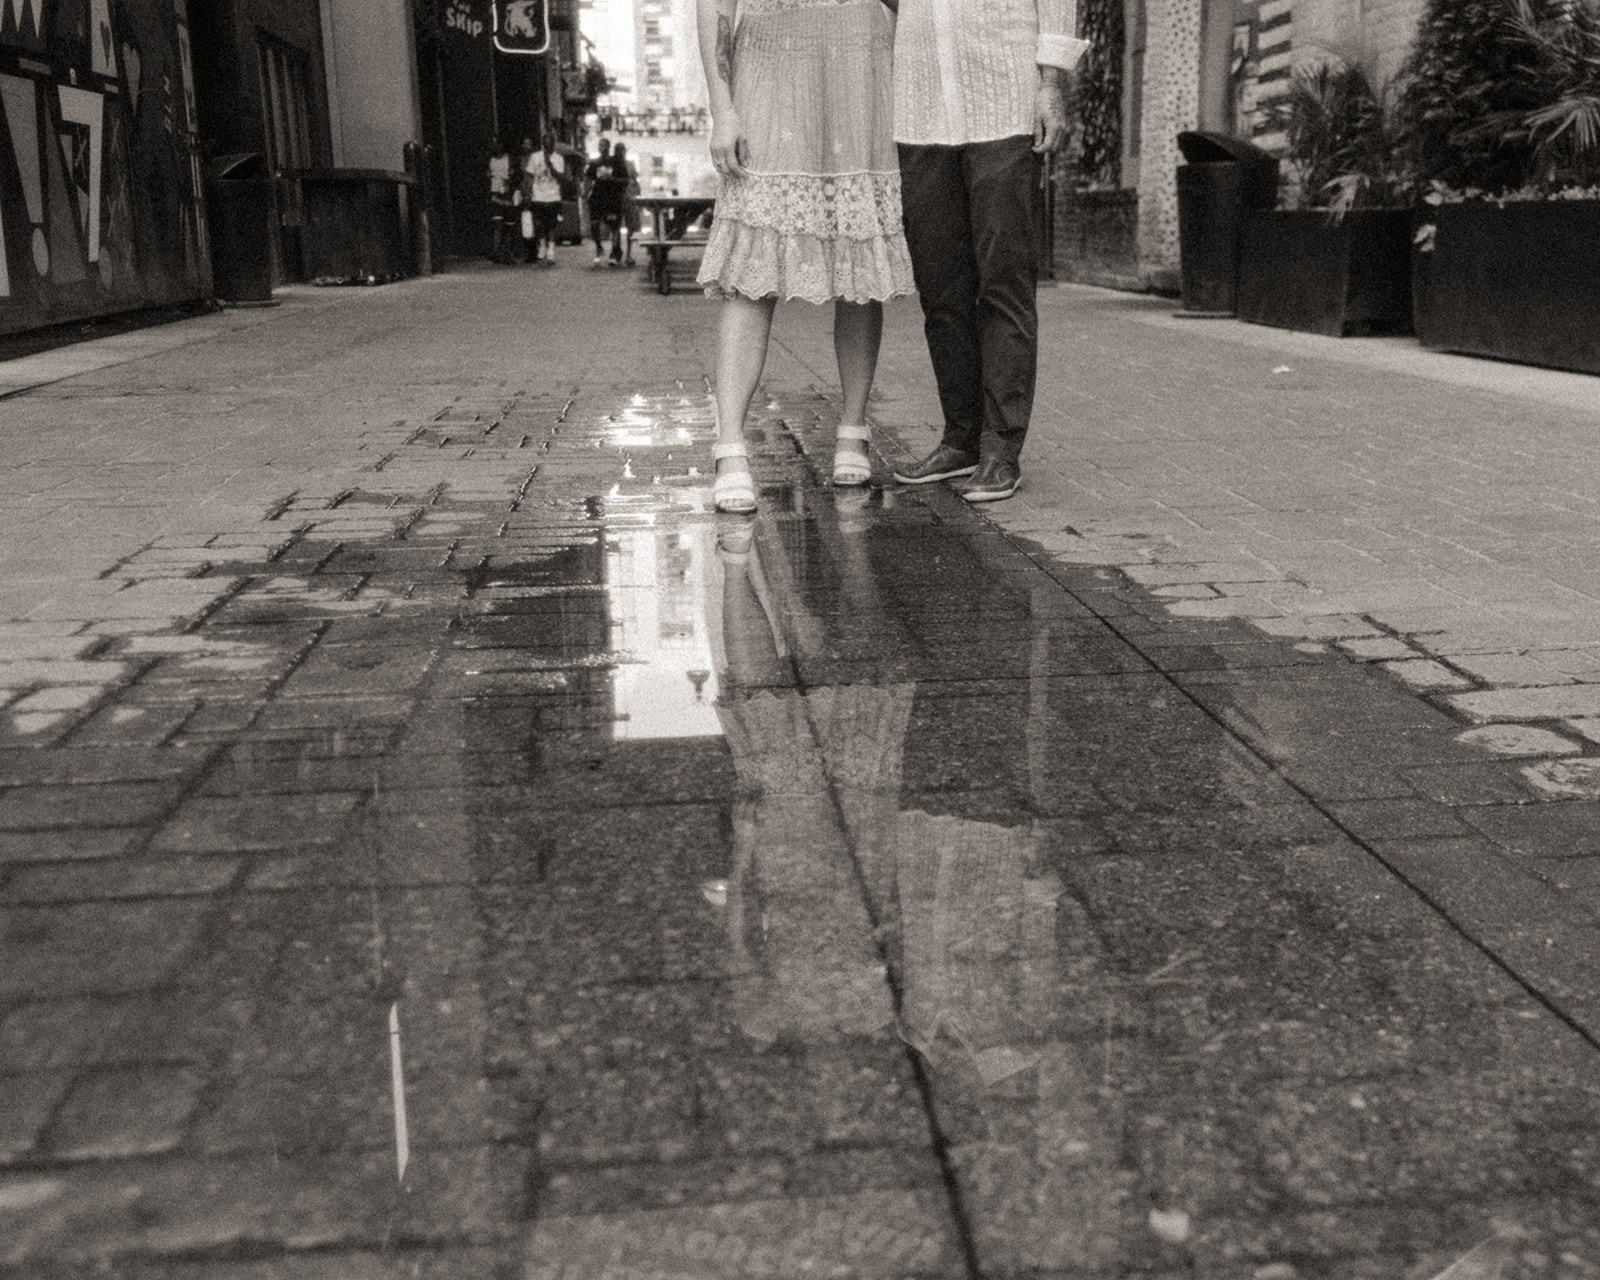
(522, 26)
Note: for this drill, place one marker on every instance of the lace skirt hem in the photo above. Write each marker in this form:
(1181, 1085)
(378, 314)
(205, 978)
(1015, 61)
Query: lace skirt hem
(762, 262)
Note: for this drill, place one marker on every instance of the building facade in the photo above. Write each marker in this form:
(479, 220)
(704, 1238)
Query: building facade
(100, 189)
(119, 118)
(1162, 67)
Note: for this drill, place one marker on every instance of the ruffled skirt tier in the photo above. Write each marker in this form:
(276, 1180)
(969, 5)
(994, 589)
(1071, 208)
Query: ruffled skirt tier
(818, 217)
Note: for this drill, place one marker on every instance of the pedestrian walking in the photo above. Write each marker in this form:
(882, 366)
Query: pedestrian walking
(542, 172)
(808, 206)
(607, 181)
(980, 99)
(630, 203)
(502, 203)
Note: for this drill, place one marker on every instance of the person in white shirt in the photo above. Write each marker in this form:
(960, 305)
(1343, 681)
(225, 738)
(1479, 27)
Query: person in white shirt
(980, 97)
(542, 174)
(502, 207)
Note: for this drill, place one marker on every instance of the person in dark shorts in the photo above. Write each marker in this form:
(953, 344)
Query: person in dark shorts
(502, 203)
(607, 180)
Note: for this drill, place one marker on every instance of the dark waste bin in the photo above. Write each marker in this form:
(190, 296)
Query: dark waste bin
(1220, 175)
(239, 215)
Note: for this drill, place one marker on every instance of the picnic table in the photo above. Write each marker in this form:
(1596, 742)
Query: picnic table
(668, 223)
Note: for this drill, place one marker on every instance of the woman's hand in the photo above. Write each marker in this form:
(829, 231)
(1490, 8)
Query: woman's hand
(729, 150)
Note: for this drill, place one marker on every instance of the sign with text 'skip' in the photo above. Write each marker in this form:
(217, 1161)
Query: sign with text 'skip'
(522, 26)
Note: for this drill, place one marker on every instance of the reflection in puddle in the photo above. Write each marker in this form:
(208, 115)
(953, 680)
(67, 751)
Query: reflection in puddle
(657, 581)
(828, 894)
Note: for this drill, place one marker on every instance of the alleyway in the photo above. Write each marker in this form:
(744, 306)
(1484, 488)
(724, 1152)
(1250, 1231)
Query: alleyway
(433, 844)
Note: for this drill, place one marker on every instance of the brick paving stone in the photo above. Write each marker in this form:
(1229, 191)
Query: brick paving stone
(26, 1102)
(20, 672)
(1378, 649)
(1507, 669)
(1525, 921)
(49, 1034)
(1559, 829)
(1587, 727)
(103, 878)
(1498, 782)
(115, 1113)
(1426, 674)
(245, 824)
(95, 948)
(1398, 819)
(1557, 703)
(127, 723)
(56, 846)
(106, 804)
(349, 711)
(357, 670)
(96, 764)
(173, 600)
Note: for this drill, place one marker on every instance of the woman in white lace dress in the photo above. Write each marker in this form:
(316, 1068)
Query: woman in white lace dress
(809, 207)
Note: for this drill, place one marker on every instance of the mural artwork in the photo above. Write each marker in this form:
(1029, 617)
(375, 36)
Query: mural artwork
(99, 173)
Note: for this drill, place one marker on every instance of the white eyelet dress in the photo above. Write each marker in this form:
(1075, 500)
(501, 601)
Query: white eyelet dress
(818, 217)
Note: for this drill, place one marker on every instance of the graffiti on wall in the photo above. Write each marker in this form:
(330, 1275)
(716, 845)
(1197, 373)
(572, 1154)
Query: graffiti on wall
(99, 173)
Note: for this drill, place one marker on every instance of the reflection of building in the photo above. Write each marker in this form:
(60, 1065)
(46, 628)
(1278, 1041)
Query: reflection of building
(667, 72)
(656, 582)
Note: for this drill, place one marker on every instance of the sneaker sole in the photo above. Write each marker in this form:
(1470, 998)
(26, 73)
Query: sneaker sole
(990, 495)
(943, 475)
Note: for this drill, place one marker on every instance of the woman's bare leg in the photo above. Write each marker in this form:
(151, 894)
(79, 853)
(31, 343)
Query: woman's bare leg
(742, 333)
(857, 334)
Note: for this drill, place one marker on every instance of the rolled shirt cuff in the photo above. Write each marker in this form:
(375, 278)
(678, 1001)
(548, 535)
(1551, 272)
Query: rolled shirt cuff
(1060, 51)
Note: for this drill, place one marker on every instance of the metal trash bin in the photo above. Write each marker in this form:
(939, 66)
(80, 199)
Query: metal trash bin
(239, 206)
(1221, 175)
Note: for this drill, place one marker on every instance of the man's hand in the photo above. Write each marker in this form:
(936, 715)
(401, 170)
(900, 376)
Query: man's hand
(1050, 110)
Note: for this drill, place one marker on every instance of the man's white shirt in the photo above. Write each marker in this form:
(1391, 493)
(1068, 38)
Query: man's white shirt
(966, 71)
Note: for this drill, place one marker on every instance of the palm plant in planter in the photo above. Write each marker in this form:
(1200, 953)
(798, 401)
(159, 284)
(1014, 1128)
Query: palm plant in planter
(1336, 258)
(1508, 260)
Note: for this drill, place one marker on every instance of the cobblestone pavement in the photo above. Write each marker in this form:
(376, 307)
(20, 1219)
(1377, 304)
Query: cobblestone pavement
(433, 845)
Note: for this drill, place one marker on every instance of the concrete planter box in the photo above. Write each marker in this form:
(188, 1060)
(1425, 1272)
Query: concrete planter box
(1298, 269)
(1519, 281)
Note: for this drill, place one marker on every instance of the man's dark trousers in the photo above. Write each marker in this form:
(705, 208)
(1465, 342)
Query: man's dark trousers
(970, 229)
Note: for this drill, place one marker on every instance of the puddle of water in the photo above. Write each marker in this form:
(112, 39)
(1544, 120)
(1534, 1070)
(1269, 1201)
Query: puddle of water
(824, 894)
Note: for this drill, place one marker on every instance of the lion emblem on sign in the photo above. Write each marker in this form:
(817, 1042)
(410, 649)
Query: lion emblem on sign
(523, 19)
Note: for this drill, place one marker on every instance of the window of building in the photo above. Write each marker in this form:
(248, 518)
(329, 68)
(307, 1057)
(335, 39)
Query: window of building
(285, 103)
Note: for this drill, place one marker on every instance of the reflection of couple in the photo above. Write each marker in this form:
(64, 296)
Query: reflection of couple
(826, 865)
(847, 915)
(805, 121)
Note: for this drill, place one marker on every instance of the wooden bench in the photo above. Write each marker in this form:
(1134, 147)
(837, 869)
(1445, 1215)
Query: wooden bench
(658, 268)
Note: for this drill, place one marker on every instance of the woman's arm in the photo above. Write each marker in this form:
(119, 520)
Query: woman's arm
(715, 23)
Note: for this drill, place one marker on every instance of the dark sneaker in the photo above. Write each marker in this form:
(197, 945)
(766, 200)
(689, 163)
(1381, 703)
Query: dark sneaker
(993, 480)
(944, 463)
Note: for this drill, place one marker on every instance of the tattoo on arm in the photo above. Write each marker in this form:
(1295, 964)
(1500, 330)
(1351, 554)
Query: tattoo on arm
(725, 49)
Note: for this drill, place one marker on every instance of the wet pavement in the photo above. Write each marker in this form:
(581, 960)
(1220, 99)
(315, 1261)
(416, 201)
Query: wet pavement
(486, 861)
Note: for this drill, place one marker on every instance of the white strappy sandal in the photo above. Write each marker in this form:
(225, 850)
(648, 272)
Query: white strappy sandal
(733, 492)
(851, 466)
